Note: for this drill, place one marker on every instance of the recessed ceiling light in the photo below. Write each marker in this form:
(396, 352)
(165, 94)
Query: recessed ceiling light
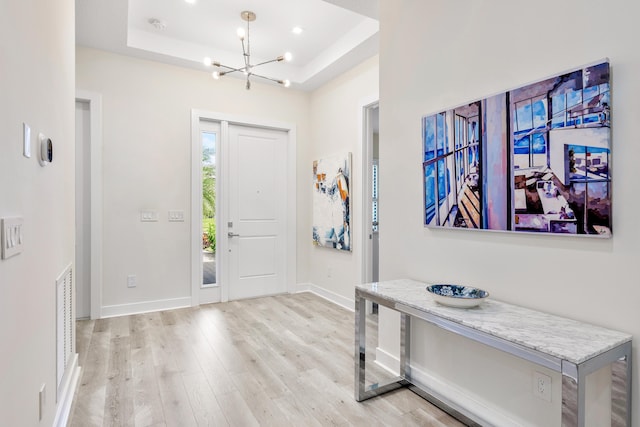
(296, 30)
(190, 1)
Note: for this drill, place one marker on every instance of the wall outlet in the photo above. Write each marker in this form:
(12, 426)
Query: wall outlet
(542, 386)
(42, 401)
(132, 281)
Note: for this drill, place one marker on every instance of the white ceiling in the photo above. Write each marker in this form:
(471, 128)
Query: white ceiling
(338, 34)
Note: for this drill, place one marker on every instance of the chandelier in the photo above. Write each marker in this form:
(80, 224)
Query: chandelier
(248, 68)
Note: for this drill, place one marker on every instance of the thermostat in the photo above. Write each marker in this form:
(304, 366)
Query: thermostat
(46, 150)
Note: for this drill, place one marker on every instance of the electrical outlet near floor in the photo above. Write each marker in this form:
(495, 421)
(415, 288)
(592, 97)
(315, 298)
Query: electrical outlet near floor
(132, 281)
(542, 386)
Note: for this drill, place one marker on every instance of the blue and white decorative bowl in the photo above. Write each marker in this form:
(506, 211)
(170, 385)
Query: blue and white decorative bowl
(457, 296)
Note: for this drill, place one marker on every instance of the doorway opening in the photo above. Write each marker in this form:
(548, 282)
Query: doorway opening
(88, 188)
(243, 208)
(371, 194)
(82, 262)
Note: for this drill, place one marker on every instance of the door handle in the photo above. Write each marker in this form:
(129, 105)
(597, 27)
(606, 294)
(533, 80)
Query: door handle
(232, 234)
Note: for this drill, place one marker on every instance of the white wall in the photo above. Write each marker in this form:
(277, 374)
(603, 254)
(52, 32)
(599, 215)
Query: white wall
(146, 164)
(438, 54)
(336, 126)
(37, 87)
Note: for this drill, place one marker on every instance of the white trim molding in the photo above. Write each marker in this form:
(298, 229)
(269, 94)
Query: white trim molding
(343, 302)
(95, 122)
(454, 397)
(67, 391)
(145, 307)
(388, 361)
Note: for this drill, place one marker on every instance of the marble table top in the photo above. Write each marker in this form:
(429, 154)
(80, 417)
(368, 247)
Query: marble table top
(557, 336)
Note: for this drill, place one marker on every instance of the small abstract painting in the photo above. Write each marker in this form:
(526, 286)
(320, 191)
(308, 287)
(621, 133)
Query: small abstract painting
(532, 159)
(332, 202)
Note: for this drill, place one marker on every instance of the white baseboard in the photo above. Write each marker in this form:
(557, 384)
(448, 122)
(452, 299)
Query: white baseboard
(145, 307)
(388, 361)
(209, 294)
(458, 399)
(300, 287)
(67, 391)
(347, 303)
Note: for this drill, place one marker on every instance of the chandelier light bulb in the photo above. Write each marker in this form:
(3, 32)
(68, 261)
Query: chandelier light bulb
(288, 56)
(207, 61)
(215, 75)
(287, 83)
(241, 33)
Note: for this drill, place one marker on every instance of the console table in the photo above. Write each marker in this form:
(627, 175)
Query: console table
(573, 348)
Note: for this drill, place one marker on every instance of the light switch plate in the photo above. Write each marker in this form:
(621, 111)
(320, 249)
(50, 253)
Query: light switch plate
(26, 140)
(12, 239)
(176, 216)
(149, 216)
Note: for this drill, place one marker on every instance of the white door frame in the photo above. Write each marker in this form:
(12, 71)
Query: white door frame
(221, 226)
(95, 123)
(366, 105)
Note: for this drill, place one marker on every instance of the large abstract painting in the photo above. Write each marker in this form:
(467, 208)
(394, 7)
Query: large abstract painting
(332, 202)
(532, 159)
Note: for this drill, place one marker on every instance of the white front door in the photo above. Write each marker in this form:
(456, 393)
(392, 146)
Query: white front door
(256, 228)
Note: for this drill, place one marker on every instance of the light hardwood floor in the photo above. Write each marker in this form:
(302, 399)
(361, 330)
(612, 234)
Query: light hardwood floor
(276, 361)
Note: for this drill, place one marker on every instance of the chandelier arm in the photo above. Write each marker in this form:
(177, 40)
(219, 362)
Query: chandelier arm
(224, 73)
(232, 69)
(248, 61)
(268, 78)
(245, 53)
(268, 62)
